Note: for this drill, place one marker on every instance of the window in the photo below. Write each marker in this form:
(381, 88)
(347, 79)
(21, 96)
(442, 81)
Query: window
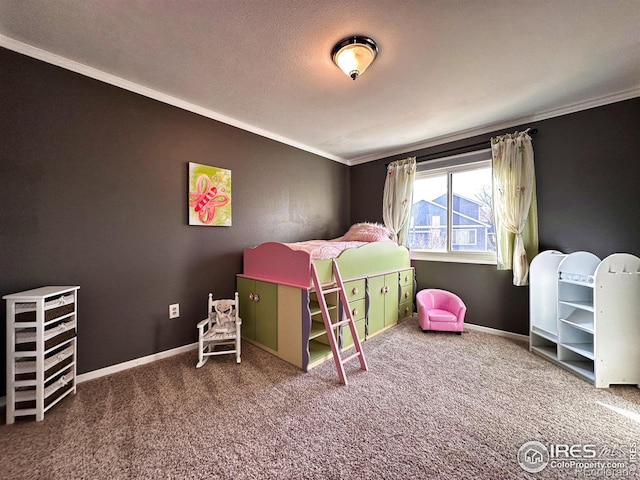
(452, 212)
(464, 236)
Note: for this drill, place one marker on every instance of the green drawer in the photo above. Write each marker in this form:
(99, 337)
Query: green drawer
(406, 293)
(357, 309)
(405, 310)
(355, 290)
(406, 277)
(347, 339)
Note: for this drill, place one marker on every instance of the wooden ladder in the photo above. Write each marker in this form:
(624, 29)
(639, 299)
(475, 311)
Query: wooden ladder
(337, 286)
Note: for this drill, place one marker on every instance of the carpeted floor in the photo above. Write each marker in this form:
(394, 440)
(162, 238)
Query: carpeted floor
(432, 405)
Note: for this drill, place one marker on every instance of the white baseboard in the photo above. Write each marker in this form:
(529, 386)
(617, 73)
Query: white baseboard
(499, 333)
(103, 372)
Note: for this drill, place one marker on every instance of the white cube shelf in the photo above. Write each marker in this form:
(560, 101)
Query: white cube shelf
(585, 314)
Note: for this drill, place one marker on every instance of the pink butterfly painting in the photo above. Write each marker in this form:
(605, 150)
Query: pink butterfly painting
(209, 195)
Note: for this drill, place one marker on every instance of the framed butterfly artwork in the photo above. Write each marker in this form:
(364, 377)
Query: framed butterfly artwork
(209, 196)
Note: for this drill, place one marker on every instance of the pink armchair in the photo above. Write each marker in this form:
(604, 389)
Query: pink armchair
(440, 310)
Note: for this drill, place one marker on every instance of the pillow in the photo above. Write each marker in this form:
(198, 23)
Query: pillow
(367, 232)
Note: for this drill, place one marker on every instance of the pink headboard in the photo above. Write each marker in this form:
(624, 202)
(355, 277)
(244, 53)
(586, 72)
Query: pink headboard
(275, 262)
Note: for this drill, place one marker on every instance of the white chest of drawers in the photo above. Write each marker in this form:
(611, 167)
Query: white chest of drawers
(41, 349)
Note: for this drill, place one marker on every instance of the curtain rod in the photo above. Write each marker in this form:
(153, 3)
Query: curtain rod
(531, 131)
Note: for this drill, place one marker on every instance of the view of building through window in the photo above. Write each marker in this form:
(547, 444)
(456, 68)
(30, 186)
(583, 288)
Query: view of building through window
(469, 206)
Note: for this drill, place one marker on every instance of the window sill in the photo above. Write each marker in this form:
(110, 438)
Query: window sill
(455, 257)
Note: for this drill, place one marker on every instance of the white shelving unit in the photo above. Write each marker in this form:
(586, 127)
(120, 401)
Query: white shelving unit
(585, 315)
(41, 349)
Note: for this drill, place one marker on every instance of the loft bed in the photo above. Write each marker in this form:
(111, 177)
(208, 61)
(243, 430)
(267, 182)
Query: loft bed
(281, 263)
(277, 299)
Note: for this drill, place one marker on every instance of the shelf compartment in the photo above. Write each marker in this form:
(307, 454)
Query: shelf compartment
(543, 343)
(314, 307)
(318, 352)
(580, 304)
(574, 361)
(571, 335)
(546, 351)
(582, 368)
(583, 349)
(550, 336)
(581, 319)
(317, 329)
(576, 351)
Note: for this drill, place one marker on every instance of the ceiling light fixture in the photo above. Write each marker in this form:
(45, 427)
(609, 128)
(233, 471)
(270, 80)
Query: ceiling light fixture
(354, 54)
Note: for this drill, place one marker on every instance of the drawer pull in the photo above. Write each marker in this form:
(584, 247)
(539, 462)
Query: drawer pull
(354, 291)
(354, 312)
(256, 298)
(406, 294)
(384, 290)
(251, 296)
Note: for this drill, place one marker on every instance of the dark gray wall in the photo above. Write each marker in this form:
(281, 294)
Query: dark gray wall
(587, 175)
(93, 192)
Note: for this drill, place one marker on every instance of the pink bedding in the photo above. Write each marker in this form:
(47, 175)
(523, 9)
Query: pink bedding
(323, 248)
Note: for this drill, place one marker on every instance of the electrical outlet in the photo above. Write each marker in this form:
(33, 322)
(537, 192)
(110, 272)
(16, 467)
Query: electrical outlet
(174, 310)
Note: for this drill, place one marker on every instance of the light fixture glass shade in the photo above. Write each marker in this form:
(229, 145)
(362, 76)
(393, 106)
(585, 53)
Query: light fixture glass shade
(354, 54)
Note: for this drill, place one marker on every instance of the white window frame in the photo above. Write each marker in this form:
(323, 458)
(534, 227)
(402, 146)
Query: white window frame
(448, 166)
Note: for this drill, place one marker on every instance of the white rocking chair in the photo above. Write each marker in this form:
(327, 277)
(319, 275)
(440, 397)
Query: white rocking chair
(221, 327)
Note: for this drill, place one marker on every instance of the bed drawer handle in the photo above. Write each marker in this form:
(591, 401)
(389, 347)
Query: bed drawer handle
(406, 294)
(251, 296)
(256, 297)
(385, 290)
(354, 312)
(406, 278)
(354, 291)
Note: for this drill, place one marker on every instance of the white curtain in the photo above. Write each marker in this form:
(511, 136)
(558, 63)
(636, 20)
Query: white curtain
(397, 198)
(515, 204)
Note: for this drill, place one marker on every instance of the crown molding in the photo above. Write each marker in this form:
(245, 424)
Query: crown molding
(114, 80)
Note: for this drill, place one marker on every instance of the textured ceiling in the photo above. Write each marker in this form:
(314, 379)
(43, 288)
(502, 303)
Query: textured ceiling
(446, 68)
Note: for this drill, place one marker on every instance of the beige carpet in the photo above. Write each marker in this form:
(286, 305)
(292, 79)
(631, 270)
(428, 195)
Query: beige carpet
(432, 406)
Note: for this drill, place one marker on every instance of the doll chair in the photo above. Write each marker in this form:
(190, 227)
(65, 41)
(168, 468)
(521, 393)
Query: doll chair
(220, 328)
(440, 310)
